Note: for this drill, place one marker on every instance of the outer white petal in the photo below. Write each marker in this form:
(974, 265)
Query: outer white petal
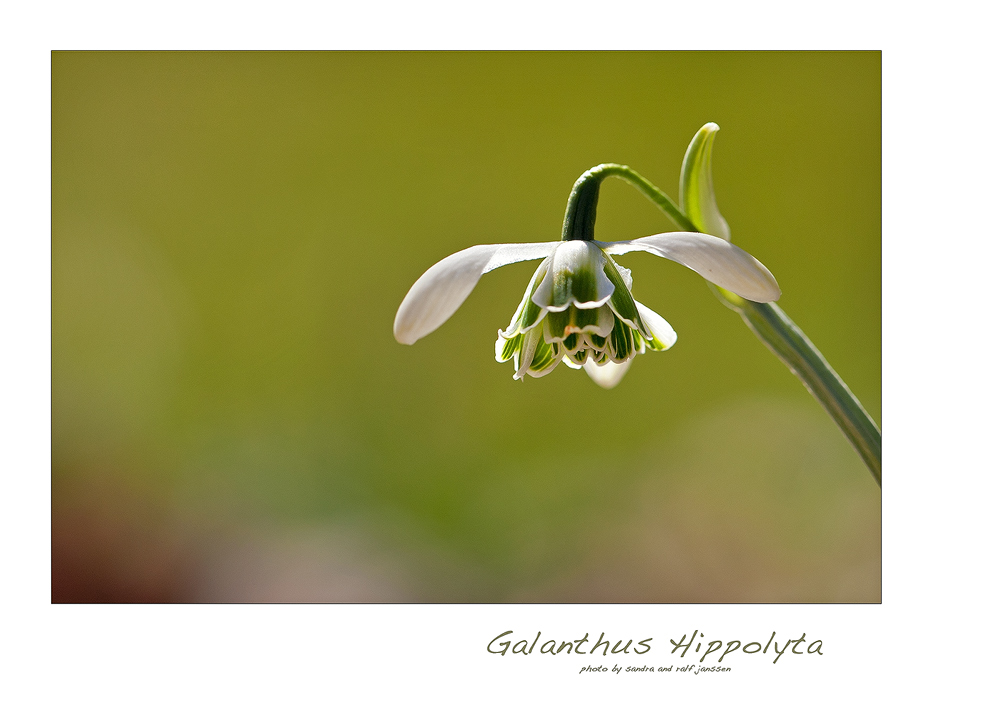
(437, 294)
(609, 374)
(574, 261)
(714, 258)
(658, 326)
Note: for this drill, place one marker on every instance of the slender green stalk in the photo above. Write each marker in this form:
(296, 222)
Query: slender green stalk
(780, 334)
(581, 210)
(770, 324)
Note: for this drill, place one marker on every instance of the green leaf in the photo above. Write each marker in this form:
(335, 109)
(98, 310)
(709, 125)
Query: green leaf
(697, 194)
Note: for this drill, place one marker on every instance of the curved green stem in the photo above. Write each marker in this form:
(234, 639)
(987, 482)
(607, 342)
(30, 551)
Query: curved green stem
(780, 334)
(581, 209)
(770, 324)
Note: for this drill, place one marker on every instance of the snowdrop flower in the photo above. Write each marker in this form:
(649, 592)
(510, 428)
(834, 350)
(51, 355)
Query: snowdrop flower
(578, 307)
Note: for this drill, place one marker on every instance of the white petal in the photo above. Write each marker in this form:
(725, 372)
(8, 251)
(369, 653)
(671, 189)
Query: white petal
(714, 258)
(577, 270)
(517, 324)
(526, 353)
(444, 286)
(626, 275)
(568, 361)
(609, 374)
(605, 323)
(548, 369)
(658, 326)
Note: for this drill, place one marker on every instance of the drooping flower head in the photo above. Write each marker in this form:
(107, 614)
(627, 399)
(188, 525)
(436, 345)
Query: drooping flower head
(578, 307)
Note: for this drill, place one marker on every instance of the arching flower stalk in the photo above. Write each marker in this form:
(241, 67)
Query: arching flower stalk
(770, 324)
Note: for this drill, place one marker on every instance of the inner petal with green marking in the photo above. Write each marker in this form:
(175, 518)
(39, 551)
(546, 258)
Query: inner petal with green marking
(579, 307)
(577, 278)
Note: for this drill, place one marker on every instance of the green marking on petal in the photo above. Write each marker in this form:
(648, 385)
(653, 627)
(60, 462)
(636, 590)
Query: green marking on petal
(559, 325)
(638, 342)
(626, 274)
(526, 352)
(528, 313)
(585, 319)
(577, 278)
(621, 301)
(505, 348)
(546, 358)
(555, 326)
(662, 335)
(605, 321)
(657, 345)
(532, 315)
(570, 285)
(539, 338)
(620, 346)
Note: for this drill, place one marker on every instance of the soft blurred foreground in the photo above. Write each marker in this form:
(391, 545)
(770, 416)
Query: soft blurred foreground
(233, 421)
(753, 502)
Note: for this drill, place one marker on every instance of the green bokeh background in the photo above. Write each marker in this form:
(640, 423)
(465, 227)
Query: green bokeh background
(233, 420)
